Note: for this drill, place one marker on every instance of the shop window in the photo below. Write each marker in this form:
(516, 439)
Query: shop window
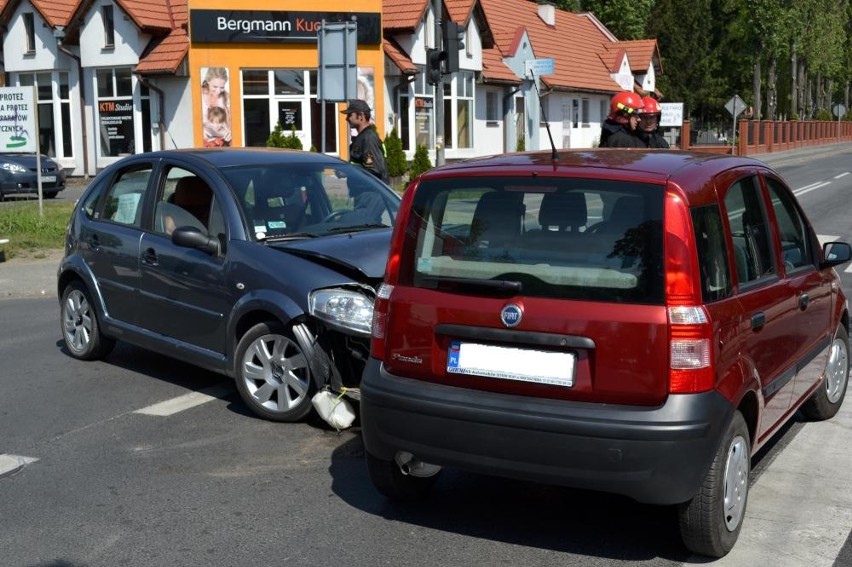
(29, 33)
(54, 111)
(404, 117)
(575, 113)
(116, 116)
(464, 109)
(109, 26)
(584, 107)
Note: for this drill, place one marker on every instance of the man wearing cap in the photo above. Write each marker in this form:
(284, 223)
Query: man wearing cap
(366, 148)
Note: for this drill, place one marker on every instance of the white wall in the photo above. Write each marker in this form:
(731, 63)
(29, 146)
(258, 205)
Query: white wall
(129, 41)
(177, 114)
(488, 137)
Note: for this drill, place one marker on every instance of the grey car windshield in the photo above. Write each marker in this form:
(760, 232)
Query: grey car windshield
(309, 199)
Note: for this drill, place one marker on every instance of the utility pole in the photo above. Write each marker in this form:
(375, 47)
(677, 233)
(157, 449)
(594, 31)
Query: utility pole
(439, 90)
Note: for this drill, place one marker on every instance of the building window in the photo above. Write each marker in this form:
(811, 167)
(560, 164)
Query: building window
(29, 32)
(584, 107)
(492, 108)
(575, 113)
(115, 111)
(464, 109)
(604, 108)
(404, 127)
(288, 97)
(424, 111)
(109, 26)
(54, 111)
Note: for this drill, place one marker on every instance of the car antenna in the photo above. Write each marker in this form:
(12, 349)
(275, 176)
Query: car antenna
(553, 154)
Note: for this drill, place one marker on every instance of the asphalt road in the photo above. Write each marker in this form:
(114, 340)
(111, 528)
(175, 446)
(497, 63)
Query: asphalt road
(109, 476)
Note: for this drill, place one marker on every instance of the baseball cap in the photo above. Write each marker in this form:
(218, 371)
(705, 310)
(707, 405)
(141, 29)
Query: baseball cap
(356, 105)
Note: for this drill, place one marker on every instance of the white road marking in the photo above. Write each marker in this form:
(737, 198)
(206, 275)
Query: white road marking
(811, 187)
(186, 401)
(823, 238)
(799, 511)
(844, 174)
(10, 464)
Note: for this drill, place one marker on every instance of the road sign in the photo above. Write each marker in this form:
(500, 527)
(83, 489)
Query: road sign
(735, 105)
(839, 110)
(539, 67)
(672, 114)
(18, 126)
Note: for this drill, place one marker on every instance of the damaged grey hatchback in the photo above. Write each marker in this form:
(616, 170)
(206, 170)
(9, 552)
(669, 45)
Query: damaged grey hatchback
(258, 264)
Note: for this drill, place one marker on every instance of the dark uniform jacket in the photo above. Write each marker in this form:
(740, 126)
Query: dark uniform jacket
(615, 135)
(654, 139)
(366, 151)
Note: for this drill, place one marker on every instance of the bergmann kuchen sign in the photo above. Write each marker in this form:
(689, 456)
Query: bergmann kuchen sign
(245, 26)
(18, 125)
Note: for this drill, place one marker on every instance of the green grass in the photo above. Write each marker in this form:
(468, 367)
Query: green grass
(30, 234)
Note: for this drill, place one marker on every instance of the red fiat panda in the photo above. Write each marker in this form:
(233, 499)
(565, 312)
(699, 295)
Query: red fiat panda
(627, 321)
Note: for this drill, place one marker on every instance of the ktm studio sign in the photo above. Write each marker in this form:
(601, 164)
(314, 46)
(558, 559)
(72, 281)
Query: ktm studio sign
(251, 26)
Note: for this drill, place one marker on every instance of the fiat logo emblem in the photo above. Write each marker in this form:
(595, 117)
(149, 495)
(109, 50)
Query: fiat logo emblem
(511, 315)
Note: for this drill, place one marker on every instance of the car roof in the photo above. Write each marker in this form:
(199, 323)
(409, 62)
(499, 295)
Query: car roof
(229, 157)
(687, 169)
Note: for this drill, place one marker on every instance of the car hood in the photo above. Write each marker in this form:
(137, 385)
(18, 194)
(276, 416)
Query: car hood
(359, 255)
(26, 160)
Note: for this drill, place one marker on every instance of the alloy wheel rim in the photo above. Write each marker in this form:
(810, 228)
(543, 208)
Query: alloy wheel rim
(276, 373)
(736, 482)
(77, 321)
(837, 372)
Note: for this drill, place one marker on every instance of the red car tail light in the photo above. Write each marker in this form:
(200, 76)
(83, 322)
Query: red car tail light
(690, 332)
(380, 321)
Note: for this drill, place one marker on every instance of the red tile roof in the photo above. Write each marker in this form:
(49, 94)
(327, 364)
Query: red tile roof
(149, 15)
(402, 15)
(459, 10)
(583, 53)
(641, 53)
(495, 70)
(165, 55)
(54, 12)
(398, 56)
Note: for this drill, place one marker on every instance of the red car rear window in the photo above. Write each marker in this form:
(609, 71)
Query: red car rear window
(547, 237)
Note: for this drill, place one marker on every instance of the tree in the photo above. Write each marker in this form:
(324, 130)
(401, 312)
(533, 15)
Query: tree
(626, 19)
(395, 155)
(277, 139)
(420, 163)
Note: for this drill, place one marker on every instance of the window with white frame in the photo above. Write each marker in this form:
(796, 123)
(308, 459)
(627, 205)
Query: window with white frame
(492, 108)
(287, 97)
(575, 112)
(604, 110)
(116, 116)
(424, 111)
(464, 109)
(29, 33)
(109, 26)
(54, 111)
(584, 109)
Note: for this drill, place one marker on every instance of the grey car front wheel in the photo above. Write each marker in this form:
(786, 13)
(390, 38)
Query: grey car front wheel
(273, 373)
(81, 329)
(825, 402)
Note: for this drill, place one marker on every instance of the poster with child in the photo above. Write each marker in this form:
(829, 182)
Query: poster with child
(215, 107)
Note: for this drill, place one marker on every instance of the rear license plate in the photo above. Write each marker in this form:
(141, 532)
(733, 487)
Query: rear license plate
(48, 179)
(525, 365)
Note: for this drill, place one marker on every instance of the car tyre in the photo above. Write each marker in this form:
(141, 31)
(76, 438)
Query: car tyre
(81, 330)
(51, 194)
(389, 479)
(273, 373)
(710, 523)
(825, 402)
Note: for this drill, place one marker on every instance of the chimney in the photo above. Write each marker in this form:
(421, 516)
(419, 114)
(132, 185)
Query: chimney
(547, 12)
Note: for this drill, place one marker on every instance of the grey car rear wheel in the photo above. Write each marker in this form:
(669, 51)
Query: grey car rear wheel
(273, 373)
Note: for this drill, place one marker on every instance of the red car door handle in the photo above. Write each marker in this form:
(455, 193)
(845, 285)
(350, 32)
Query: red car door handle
(758, 320)
(804, 301)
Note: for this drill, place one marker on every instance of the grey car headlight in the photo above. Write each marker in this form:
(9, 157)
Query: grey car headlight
(345, 309)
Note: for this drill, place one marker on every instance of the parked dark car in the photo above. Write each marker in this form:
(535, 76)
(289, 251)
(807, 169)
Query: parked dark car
(636, 322)
(258, 264)
(19, 175)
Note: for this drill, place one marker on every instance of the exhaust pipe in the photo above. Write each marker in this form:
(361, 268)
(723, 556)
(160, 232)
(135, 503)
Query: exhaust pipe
(409, 466)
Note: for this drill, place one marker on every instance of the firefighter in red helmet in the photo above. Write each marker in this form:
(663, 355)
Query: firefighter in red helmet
(619, 128)
(649, 122)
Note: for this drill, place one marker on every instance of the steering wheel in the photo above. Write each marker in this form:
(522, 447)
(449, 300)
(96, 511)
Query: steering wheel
(334, 215)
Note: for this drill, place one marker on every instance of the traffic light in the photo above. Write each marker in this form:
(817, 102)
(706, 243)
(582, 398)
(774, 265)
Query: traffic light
(434, 57)
(453, 43)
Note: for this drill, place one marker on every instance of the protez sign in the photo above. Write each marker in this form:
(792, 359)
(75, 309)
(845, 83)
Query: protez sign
(250, 26)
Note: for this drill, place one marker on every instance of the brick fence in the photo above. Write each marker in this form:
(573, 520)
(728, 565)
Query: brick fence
(767, 136)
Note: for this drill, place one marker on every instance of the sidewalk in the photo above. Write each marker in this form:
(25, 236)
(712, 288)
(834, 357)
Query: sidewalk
(30, 277)
(36, 277)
